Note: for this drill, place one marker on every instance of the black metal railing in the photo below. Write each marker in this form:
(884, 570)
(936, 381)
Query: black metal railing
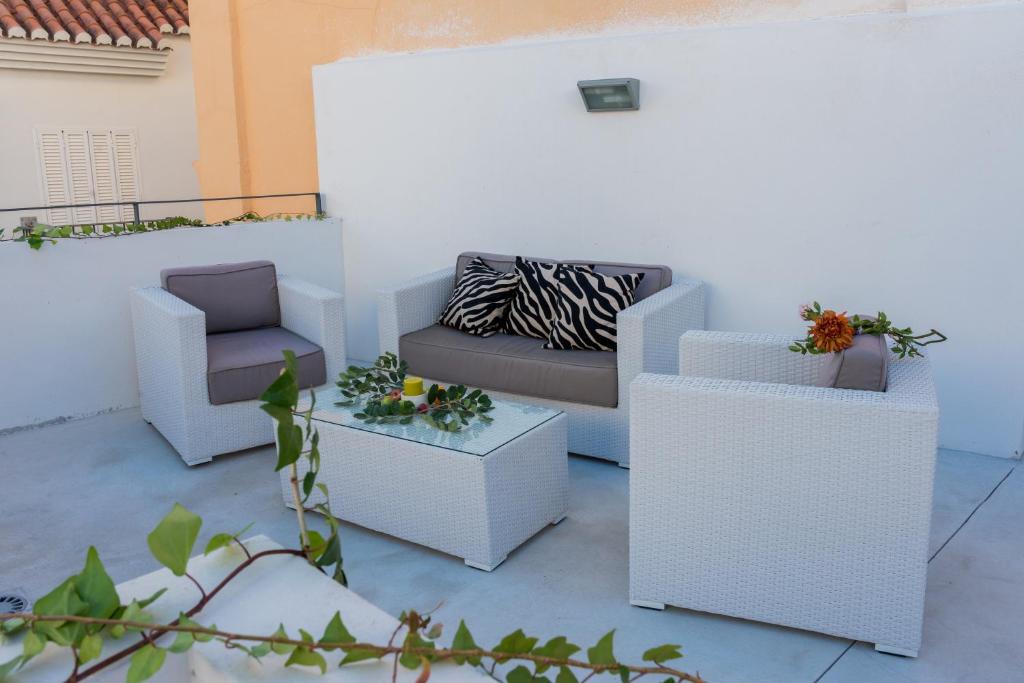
(136, 205)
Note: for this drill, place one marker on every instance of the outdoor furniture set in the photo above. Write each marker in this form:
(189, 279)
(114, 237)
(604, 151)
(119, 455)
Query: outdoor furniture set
(753, 493)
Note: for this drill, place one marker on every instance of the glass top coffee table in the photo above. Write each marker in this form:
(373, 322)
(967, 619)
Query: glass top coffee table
(477, 494)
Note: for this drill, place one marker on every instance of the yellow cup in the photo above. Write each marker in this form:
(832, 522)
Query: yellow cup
(413, 386)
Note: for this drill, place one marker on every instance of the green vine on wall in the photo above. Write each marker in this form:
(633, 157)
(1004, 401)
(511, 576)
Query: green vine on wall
(41, 233)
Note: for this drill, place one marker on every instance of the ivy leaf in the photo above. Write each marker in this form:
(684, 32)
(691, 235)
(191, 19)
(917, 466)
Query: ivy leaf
(96, 588)
(61, 600)
(12, 626)
(218, 541)
(358, 655)
(602, 652)
(182, 642)
(281, 648)
(565, 675)
(521, 674)
(90, 648)
(516, 643)
(133, 612)
(172, 540)
(260, 650)
(464, 641)
(556, 648)
(151, 599)
(336, 632)
(200, 637)
(412, 660)
(662, 653)
(302, 656)
(332, 553)
(32, 645)
(8, 667)
(145, 663)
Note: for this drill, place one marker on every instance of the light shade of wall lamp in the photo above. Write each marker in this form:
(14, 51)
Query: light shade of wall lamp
(610, 94)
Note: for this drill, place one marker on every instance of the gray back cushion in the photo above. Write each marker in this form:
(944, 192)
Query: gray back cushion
(656, 278)
(864, 366)
(234, 296)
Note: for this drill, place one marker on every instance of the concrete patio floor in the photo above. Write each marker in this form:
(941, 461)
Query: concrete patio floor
(107, 480)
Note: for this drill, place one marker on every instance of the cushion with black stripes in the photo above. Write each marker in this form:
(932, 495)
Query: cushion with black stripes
(587, 305)
(480, 300)
(533, 309)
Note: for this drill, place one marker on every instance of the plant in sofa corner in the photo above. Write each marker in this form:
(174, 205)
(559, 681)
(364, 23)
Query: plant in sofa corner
(832, 332)
(85, 615)
(377, 389)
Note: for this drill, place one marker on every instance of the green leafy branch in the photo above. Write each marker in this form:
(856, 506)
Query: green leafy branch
(281, 402)
(377, 390)
(418, 649)
(905, 342)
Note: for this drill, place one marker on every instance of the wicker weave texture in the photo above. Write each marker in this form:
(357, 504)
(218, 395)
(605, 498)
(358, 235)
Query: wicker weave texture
(793, 505)
(648, 334)
(478, 508)
(170, 353)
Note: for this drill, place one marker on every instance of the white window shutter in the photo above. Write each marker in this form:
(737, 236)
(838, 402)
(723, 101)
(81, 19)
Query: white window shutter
(53, 175)
(104, 175)
(126, 163)
(76, 148)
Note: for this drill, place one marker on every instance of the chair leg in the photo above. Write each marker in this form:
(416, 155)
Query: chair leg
(647, 604)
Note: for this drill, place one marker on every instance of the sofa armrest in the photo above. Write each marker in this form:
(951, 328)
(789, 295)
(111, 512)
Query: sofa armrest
(317, 314)
(411, 306)
(648, 331)
(742, 419)
(170, 356)
(745, 356)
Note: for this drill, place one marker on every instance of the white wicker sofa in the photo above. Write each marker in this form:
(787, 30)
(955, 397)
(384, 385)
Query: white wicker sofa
(648, 333)
(171, 357)
(755, 495)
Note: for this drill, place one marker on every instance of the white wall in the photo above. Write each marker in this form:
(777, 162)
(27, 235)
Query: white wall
(66, 346)
(870, 162)
(162, 109)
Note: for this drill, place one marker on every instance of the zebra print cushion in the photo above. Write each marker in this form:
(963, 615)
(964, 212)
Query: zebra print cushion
(480, 299)
(587, 305)
(533, 309)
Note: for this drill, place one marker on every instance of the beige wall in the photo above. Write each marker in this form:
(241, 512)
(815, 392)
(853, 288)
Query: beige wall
(254, 60)
(161, 109)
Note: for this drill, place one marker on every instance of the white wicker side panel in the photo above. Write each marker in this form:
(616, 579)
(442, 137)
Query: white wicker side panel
(419, 493)
(527, 484)
(411, 306)
(791, 505)
(318, 314)
(170, 354)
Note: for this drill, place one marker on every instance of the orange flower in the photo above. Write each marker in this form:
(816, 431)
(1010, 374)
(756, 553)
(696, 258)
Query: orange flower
(832, 332)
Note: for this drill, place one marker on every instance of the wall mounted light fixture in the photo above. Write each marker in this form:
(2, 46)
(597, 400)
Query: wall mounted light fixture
(610, 94)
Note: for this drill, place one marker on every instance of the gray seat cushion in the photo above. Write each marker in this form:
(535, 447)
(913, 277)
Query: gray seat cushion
(518, 365)
(241, 365)
(656, 278)
(234, 296)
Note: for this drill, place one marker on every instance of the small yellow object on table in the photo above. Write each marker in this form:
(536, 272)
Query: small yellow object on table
(412, 388)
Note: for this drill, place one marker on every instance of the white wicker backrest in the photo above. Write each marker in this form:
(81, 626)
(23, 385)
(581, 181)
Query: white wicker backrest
(747, 357)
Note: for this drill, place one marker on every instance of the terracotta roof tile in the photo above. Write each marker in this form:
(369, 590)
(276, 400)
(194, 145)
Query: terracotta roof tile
(128, 23)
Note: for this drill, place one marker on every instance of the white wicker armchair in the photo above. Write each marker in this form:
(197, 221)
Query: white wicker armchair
(756, 496)
(648, 334)
(170, 351)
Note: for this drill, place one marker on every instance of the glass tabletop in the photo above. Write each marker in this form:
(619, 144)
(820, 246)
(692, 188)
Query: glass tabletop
(511, 420)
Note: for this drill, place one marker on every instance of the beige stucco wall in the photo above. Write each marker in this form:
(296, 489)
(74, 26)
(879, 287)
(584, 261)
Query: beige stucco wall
(254, 61)
(161, 110)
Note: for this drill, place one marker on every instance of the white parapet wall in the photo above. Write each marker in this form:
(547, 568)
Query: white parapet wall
(868, 162)
(66, 344)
